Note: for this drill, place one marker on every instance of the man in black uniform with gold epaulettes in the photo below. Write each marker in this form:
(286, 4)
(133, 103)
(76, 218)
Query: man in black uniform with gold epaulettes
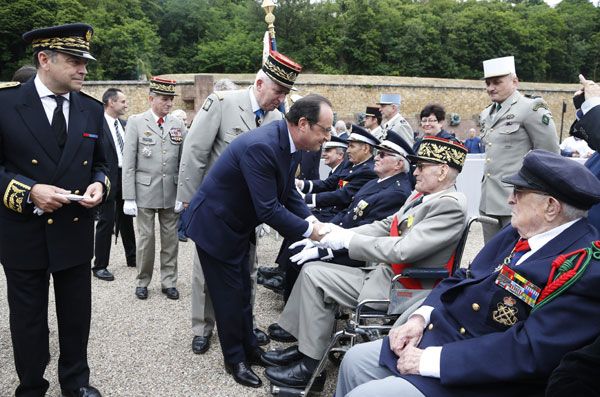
(52, 172)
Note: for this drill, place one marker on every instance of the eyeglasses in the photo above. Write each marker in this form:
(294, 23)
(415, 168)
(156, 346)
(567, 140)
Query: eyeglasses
(430, 121)
(420, 166)
(327, 130)
(517, 191)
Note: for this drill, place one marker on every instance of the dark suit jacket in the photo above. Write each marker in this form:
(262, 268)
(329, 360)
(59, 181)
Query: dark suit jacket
(309, 165)
(110, 149)
(251, 183)
(29, 154)
(492, 359)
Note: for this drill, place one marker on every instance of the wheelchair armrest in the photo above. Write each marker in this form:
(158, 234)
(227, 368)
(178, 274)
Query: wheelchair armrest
(421, 273)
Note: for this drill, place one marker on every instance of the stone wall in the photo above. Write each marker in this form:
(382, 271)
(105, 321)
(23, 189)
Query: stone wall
(351, 94)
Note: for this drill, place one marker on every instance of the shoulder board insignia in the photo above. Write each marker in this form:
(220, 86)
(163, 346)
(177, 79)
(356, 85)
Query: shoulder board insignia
(540, 104)
(531, 96)
(220, 95)
(207, 104)
(90, 96)
(9, 84)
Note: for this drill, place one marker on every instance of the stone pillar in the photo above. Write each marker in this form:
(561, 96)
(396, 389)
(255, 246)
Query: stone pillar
(203, 87)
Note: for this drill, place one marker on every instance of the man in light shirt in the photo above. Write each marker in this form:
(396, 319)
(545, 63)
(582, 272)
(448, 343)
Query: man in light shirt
(501, 327)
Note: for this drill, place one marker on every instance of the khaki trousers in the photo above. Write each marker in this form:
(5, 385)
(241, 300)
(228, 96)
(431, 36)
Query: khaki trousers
(203, 314)
(169, 246)
(490, 231)
(309, 314)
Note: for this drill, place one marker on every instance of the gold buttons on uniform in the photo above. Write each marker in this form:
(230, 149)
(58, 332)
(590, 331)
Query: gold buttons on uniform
(462, 331)
(50, 221)
(76, 192)
(84, 162)
(430, 327)
(75, 219)
(475, 307)
(34, 162)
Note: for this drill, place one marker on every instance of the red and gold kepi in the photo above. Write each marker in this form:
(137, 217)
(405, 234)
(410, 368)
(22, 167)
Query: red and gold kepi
(163, 86)
(73, 39)
(281, 69)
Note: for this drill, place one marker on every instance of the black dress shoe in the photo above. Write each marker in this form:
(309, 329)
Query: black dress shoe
(283, 357)
(261, 337)
(274, 283)
(280, 335)
(141, 292)
(294, 375)
(256, 358)
(103, 274)
(200, 344)
(243, 374)
(84, 391)
(171, 293)
(269, 271)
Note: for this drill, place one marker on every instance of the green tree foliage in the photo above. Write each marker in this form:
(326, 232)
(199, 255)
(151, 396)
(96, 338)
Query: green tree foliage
(430, 38)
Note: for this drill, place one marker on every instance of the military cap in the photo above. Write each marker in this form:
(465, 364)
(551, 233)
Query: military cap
(396, 144)
(162, 86)
(560, 177)
(73, 39)
(360, 134)
(335, 141)
(499, 67)
(281, 69)
(389, 99)
(442, 151)
(373, 111)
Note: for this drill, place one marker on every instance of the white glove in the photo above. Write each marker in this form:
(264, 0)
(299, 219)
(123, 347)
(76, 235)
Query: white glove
(178, 207)
(130, 207)
(306, 243)
(305, 255)
(336, 239)
(299, 184)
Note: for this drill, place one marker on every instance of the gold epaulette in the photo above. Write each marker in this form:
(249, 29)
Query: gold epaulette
(9, 84)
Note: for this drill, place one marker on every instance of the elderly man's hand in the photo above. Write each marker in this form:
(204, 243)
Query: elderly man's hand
(408, 362)
(319, 230)
(408, 334)
(590, 88)
(336, 238)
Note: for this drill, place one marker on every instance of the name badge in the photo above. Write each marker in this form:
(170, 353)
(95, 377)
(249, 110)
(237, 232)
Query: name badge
(518, 285)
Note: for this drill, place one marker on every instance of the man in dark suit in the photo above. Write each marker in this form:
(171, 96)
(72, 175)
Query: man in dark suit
(111, 212)
(52, 173)
(251, 183)
(510, 308)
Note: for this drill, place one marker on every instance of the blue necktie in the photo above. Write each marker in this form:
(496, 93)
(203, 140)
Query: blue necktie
(260, 114)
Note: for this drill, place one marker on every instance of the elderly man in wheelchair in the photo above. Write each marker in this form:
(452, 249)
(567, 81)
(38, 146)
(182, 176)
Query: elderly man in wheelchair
(423, 233)
(531, 296)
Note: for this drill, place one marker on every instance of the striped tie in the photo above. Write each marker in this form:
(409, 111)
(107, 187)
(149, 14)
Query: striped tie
(119, 136)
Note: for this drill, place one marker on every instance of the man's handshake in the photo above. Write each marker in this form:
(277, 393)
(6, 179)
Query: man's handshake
(328, 235)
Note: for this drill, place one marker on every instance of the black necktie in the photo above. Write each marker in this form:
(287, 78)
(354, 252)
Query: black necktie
(119, 136)
(59, 124)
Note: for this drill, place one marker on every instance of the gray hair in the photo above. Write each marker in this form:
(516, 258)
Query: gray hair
(571, 213)
(224, 85)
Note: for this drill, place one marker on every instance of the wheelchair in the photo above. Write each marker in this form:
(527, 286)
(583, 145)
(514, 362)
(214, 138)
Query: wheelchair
(366, 324)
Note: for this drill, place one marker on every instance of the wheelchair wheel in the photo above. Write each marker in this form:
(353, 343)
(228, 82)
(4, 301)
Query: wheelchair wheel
(336, 356)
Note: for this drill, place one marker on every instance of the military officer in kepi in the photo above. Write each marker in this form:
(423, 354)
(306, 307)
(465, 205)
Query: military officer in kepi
(153, 142)
(52, 172)
(389, 106)
(511, 126)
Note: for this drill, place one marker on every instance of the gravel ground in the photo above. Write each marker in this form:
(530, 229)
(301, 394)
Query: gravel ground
(142, 348)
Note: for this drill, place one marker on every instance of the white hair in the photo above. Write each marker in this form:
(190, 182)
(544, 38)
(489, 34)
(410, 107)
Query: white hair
(179, 113)
(224, 85)
(571, 213)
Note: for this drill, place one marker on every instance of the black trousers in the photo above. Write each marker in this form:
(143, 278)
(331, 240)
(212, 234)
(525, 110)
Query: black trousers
(111, 213)
(229, 288)
(27, 292)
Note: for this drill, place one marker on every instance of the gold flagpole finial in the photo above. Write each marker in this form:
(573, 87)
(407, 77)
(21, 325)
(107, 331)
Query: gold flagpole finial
(269, 6)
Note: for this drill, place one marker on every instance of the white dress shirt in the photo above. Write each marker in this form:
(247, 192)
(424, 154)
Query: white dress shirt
(49, 103)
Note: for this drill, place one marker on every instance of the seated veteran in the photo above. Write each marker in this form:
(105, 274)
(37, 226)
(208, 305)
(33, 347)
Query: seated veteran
(424, 232)
(501, 327)
(376, 200)
(328, 197)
